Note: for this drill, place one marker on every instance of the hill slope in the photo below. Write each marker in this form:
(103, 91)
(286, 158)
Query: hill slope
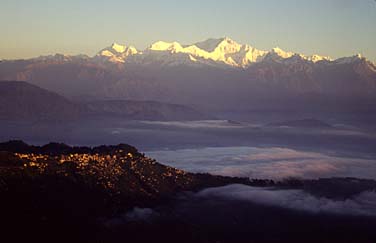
(26, 102)
(23, 101)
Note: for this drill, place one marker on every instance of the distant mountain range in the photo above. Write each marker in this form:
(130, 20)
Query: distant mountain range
(216, 73)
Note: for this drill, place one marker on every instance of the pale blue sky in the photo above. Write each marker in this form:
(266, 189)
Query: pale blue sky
(327, 27)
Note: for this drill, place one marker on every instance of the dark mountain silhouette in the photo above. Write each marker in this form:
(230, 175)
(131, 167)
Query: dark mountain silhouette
(24, 101)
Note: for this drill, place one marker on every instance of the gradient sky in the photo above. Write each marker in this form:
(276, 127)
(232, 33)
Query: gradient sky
(328, 27)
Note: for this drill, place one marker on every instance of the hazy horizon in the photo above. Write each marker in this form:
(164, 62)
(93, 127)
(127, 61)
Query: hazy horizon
(329, 28)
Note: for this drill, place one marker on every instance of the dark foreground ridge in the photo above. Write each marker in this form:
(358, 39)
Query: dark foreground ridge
(120, 172)
(61, 193)
(57, 185)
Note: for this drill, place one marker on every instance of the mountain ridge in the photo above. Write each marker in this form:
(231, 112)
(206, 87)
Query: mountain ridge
(223, 50)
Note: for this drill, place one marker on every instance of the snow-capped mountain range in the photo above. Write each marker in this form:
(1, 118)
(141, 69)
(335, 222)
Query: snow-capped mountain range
(215, 72)
(223, 51)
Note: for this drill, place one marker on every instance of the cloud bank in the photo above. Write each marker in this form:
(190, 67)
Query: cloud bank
(363, 204)
(272, 163)
(197, 124)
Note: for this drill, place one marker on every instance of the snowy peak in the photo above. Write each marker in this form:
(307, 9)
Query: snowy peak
(222, 46)
(118, 48)
(281, 53)
(316, 58)
(166, 46)
(228, 51)
(228, 46)
(277, 54)
(346, 60)
(209, 45)
(217, 50)
(117, 53)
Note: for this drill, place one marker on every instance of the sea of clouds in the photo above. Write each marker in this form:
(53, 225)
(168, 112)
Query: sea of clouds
(266, 163)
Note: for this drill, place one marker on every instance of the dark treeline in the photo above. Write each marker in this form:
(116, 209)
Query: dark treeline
(17, 146)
